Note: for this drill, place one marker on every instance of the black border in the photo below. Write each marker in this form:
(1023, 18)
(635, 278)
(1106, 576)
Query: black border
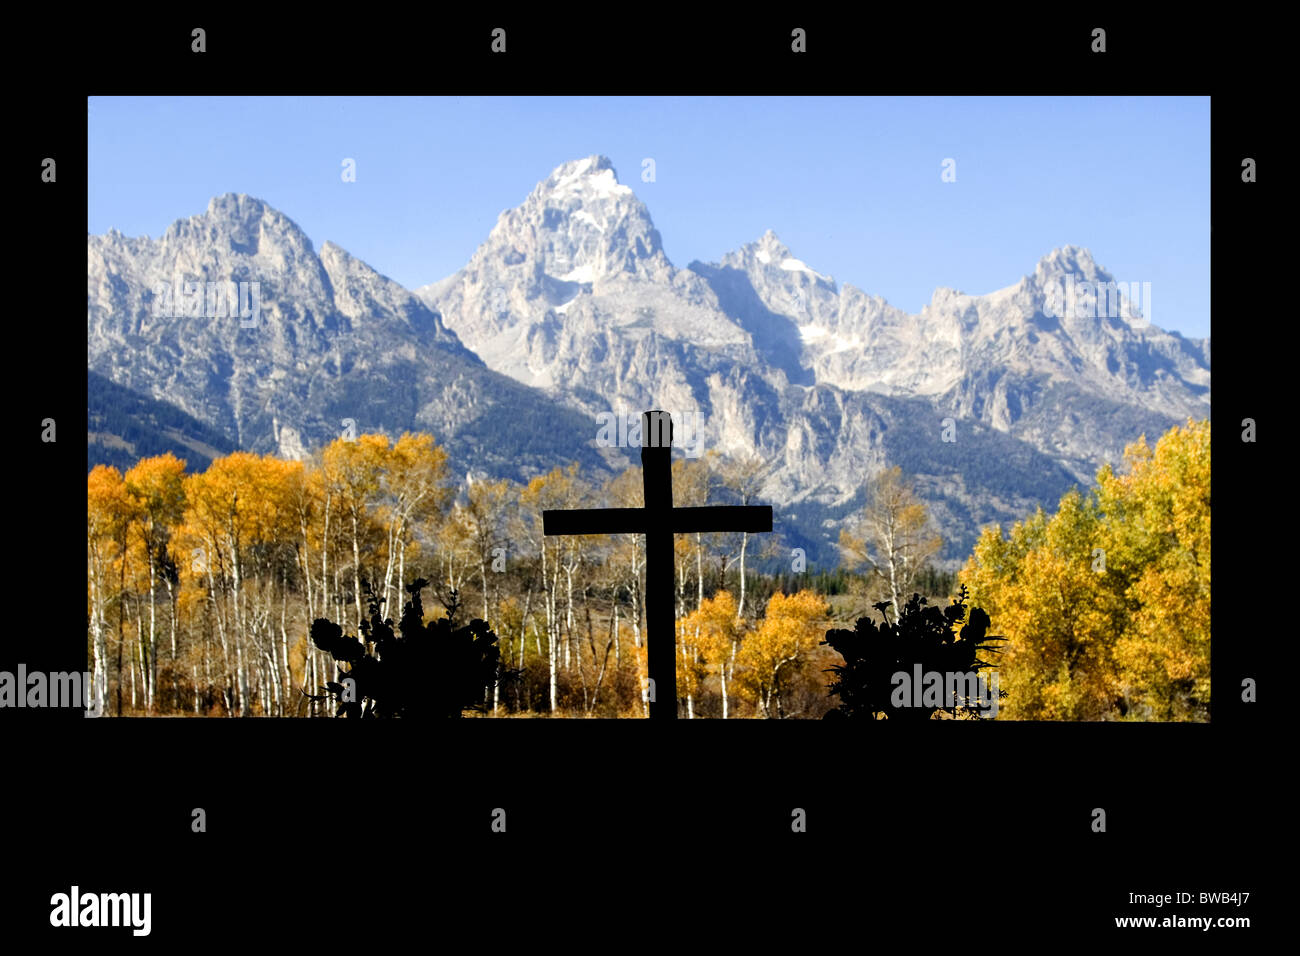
(656, 822)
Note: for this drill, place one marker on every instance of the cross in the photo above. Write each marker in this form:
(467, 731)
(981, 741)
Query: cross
(659, 521)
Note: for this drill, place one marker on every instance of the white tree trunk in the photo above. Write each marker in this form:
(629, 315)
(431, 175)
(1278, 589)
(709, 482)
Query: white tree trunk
(744, 543)
(548, 598)
(699, 569)
(356, 570)
(99, 645)
(153, 631)
(401, 578)
(722, 673)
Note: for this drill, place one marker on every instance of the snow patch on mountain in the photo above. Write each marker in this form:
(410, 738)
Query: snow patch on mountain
(798, 265)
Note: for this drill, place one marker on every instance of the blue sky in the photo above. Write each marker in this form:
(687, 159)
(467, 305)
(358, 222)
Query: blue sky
(852, 186)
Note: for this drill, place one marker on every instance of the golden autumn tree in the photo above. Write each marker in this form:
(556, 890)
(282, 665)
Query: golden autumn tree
(1157, 542)
(1106, 604)
(209, 539)
(1060, 618)
(791, 629)
(413, 486)
(486, 514)
(561, 555)
(891, 536)
(689, 670)
(275, 567)
(454, 545)
(110, 512)
(156, 486)
(351, 472)
(239, 532)
(716, 629)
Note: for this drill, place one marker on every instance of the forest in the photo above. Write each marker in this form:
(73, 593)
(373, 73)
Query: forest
(203, 586)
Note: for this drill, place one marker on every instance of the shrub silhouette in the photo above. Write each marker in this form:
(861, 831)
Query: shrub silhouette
(923, 635)
(433, 670)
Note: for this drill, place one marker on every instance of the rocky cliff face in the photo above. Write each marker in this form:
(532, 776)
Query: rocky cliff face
(308, 341)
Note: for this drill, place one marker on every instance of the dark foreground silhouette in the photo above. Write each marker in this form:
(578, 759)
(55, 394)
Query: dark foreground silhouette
(434, 670)
(874, 653)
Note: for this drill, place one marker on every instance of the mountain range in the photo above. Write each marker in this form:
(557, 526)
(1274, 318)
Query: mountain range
(570, 308)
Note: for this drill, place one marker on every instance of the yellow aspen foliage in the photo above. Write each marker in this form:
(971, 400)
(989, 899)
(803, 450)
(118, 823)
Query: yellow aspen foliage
(238, 513)
(157, 485)
(1161, 537)
(691, 668)
(1106, 604)
(715, 623)
(414, 489)
(791, 629)
(708, 633)
(111, 511)
(714, 629)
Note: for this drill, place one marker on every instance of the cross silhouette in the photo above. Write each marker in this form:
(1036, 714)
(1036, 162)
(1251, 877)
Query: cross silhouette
(658, 521)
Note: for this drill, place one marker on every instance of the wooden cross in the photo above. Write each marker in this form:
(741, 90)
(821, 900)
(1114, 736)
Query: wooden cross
(659, 521)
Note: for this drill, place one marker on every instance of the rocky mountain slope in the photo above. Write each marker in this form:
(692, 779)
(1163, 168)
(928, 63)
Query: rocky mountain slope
(326, 339)
(571, 292)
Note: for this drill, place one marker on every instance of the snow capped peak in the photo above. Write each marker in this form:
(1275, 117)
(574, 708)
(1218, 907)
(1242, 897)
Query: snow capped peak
(595, 163)
(769, 249)
(592, 177)
(773, 253)
(578, 226)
